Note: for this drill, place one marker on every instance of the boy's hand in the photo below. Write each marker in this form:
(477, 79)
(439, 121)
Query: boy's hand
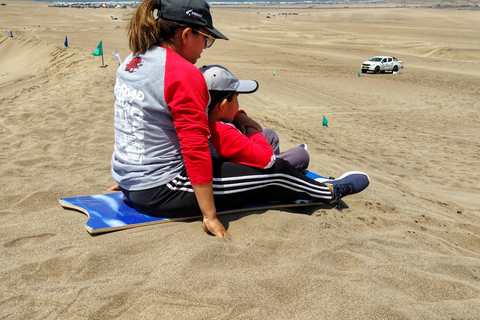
(244, 121)
(249, 130)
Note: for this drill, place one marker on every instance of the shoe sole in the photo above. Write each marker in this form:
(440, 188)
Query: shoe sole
(353, 172)
(325, 180)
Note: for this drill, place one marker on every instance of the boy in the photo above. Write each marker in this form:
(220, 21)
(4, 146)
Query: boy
(254, 148)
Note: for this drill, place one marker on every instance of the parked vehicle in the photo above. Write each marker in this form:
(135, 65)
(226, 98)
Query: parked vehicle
(380, 64)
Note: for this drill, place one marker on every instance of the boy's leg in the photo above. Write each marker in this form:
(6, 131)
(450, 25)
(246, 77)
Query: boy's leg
(298, 156)
(272, 138)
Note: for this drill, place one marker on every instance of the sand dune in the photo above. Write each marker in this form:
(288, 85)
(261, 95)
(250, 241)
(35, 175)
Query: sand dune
(408, 247)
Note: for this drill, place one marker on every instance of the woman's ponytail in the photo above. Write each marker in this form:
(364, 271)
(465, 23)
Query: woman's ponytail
(143, 31)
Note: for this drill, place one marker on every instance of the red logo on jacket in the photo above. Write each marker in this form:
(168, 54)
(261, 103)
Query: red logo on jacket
(134, 64)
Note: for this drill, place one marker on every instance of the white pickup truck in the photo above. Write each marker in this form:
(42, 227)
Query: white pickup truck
(381, 64)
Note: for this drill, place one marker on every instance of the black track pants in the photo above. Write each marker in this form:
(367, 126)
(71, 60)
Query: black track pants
(233, 184)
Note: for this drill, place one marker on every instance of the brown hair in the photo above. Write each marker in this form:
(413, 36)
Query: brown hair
(145, 31)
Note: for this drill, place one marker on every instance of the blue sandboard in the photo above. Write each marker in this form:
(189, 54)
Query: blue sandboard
(113, 211)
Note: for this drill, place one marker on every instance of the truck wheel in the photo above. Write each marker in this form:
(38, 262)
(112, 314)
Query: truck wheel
(395, 69)
(364, 71)
(377, 70)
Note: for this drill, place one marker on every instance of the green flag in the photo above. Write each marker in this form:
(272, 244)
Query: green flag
(325, 122)
(99, 51)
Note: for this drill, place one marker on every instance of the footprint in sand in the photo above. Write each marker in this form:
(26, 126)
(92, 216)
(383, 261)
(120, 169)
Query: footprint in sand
(20, 242)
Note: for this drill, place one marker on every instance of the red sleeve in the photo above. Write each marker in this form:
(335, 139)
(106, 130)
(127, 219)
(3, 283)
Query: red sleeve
(186, 94)
(233, 146)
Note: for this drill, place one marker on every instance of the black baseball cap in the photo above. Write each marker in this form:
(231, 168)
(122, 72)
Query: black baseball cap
(191, 12)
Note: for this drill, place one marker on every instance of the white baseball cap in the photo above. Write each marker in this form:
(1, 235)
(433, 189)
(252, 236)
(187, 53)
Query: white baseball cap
(222, 83)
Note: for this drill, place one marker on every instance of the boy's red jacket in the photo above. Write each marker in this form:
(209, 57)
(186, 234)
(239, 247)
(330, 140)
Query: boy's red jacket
(231, 145)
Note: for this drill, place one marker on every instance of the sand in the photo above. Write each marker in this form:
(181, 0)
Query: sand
(408, 247)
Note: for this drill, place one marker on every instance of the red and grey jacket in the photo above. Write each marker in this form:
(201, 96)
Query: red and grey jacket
(161, 124)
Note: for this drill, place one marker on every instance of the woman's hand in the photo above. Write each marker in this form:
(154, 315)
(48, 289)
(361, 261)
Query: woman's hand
(115, 187)
(214, 227)
(211, 224)
(244, 121)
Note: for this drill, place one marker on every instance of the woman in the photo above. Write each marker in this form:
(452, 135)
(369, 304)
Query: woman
(161, 127)
(161, 158)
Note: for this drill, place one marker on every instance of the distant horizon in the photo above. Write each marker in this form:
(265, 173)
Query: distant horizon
(212, 2)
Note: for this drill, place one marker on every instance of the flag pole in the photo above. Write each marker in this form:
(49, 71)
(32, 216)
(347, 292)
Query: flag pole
(98, 52)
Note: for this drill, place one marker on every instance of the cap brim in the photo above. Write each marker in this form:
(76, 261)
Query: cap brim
(216, 34)
(247, 86)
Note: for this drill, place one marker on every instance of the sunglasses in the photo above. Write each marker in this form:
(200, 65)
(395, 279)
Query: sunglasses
(209, 40)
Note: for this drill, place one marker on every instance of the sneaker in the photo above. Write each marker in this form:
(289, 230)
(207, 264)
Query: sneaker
(303, 145)
(349, 183)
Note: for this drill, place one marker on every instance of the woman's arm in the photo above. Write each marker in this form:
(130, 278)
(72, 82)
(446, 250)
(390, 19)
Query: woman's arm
(186, 94)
